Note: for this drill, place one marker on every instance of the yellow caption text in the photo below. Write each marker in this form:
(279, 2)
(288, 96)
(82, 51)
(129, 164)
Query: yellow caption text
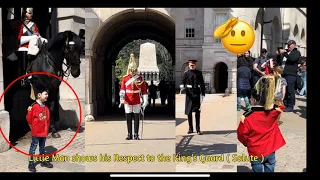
(149, 158)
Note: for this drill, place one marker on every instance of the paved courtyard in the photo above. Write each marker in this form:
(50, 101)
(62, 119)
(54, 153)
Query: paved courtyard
(106, 137)
(218, 122)
(291, 157)
(13, 161)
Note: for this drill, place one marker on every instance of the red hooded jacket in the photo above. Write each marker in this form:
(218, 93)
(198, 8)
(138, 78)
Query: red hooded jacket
(38, 118)
(259, 131)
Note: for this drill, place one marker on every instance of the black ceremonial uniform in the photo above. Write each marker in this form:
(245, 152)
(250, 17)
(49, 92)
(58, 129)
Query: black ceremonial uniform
(194, 84)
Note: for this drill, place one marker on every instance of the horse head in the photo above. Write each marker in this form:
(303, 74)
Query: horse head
(73, 50)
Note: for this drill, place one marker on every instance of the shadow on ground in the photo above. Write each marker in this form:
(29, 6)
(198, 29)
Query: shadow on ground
(243, 169)
(180, 121)
(185, 148)
(302, 112)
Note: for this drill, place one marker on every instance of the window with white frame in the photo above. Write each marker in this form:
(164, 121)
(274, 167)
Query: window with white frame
(220, 18)
(189, 28)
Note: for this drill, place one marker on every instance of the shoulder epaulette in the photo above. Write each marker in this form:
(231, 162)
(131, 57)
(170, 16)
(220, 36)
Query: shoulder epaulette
(245, 114)
(30, 107)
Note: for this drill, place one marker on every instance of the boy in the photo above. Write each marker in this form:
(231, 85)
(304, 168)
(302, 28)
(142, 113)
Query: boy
(38, 118)
(279, 96)
(258, 129)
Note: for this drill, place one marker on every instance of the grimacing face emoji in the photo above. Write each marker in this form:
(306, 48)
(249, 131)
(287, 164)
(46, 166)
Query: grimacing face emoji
(240, 39)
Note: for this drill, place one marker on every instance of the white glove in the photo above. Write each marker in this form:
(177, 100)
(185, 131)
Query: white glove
(181, 86)
(25, 39)
(145, 100)
(122, 94)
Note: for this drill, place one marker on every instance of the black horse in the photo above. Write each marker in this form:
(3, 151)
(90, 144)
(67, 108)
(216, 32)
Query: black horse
(65, 45)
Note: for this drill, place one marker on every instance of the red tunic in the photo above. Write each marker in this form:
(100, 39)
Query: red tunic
(260, 131)
(24, 32)
(133, 89)
(38, 118)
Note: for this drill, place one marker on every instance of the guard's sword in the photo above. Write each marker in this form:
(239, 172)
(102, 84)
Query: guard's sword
(142, 118)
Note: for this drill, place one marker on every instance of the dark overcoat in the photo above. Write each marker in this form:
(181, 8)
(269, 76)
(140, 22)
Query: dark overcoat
(194, 84)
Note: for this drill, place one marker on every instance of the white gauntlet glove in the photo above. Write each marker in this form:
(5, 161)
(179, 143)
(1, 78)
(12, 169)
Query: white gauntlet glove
(122, 94)
(145, 101)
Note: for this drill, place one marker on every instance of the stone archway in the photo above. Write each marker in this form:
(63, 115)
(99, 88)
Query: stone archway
(220, 77)
(117, 28)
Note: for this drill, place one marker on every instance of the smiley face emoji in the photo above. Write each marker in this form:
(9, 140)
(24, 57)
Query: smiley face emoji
(240, 39)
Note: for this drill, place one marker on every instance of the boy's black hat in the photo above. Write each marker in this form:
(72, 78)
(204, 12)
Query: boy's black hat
(192, 61)
(39, 86)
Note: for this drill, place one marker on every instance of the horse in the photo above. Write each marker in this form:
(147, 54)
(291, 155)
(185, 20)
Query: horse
(65, 45)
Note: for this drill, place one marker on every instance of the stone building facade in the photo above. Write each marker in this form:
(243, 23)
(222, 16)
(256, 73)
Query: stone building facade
(65, 19)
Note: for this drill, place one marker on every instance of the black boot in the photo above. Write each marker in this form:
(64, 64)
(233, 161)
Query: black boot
(129, 125)
(46, 164)
(32, 167)
(190, 123)
(198, 122)
(23, 67)
(136, 126)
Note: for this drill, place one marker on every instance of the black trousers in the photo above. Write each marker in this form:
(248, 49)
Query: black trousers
(136, 117)
(197, 115)
(290, 96)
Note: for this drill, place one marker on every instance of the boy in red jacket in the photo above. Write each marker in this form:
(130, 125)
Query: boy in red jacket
(259, 130)
(38, 118)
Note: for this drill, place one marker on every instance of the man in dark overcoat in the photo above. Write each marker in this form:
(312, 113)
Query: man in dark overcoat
(193, 83)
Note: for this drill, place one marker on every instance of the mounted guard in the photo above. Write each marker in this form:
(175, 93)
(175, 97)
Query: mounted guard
(29, 42)
(133, 90)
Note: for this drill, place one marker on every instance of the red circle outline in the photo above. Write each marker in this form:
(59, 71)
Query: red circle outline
(43, 73)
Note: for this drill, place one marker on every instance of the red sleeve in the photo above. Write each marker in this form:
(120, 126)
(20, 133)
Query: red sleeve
(29, 116)
(143, 87)
(36, 30)
(123, 84)
(20, 32)
(48, 117)
(243, 132)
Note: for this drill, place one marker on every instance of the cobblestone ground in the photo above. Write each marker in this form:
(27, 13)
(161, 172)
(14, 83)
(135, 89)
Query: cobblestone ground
(218, 123)
(13, 161)
(291, 157)
(107, 136)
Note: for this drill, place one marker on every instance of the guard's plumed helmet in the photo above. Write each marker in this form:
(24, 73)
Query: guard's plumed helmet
(265, 89)
(29, 10)
(132, 67)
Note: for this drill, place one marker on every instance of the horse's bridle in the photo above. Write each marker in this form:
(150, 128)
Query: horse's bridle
(60, 72)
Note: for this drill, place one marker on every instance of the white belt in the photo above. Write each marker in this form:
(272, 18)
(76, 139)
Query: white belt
(131, 91)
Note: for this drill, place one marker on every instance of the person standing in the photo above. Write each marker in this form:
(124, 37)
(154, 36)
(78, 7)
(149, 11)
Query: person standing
(258, 69)
(258, 129)
(290, 61)
(243, 83)
(132, 87)
(38, 118)
(304, 79)
(193, 82)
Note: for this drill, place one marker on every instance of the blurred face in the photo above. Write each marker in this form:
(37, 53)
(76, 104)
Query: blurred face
(192, 65)
(291, 47)
(29, 15)
(132, 72)
(247, 54)
(43, 96)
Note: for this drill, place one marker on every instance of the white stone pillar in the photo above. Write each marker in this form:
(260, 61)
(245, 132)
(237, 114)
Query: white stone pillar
(232, 75)
(4, 115)
(72, 19)
(88, 81)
